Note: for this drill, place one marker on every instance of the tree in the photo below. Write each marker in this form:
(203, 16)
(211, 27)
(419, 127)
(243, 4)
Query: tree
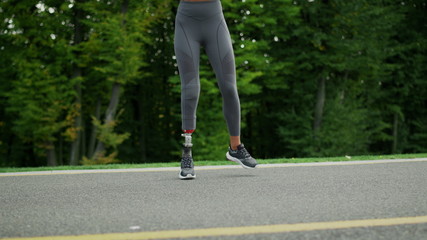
(315, 78)
(40, 94)
(116, 41)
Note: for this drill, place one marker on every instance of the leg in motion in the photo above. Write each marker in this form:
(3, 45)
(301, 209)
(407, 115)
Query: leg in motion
(221, 57)
(187, 51)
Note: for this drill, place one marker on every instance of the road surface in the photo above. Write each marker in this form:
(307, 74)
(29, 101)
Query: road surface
(344, 200)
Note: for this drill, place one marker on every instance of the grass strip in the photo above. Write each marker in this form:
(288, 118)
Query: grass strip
(216, 163)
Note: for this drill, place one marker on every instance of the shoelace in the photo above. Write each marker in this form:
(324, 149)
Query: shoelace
(245, 153)
(186, 162)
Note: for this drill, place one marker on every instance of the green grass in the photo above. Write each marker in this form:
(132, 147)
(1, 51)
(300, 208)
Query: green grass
(215, 163)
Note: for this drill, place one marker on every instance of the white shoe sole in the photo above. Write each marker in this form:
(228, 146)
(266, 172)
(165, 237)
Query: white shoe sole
(236, 160)
(189, 176)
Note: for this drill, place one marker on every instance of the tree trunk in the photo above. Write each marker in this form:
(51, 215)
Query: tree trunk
(75, 145)
(30, 156)
(60, 150)
(10, 143)
(125, 6)
(51, 155)
(143, 128)
(92, 140)
(78, 37)
(320, 103)
(115, 95)
(395, 132)
(109, 115)
(83, 141)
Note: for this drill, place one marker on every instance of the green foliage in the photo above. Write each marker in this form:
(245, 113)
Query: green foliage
(372, 56)
(101, 159)
(114, 44)
(40, 92)
(107, 135)
(345, 130)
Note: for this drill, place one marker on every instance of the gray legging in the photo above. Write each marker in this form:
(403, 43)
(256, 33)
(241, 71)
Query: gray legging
(202, 24)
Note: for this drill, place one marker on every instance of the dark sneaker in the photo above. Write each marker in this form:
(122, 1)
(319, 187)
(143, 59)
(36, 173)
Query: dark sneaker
(241, 156)
(187, 165)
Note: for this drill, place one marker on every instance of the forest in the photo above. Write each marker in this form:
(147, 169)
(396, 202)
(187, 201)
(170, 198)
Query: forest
(96, 81)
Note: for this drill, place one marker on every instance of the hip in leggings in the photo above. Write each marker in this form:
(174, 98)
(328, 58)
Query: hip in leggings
(200, 23)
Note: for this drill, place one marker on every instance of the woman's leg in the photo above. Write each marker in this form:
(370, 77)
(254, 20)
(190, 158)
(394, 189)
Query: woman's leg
(187, 52)
(221, 56)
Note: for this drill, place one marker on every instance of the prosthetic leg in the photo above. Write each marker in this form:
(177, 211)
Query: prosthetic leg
(187, 141)
(187, 165)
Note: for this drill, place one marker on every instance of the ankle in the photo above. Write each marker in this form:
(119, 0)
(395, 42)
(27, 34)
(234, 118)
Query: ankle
(234, 142)
(235, 146)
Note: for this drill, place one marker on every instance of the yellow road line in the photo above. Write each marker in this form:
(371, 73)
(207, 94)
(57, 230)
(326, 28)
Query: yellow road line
(71, 172)
(204, 168)
(237, 231)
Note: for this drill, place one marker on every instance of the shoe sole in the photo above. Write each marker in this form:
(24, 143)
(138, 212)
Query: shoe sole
(236, 160)
(189, 176)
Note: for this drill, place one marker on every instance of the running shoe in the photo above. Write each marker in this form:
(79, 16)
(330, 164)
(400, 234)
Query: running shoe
(241, 156)
(187, 165)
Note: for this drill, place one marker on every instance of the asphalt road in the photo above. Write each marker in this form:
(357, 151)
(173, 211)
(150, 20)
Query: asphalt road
(79, 203)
